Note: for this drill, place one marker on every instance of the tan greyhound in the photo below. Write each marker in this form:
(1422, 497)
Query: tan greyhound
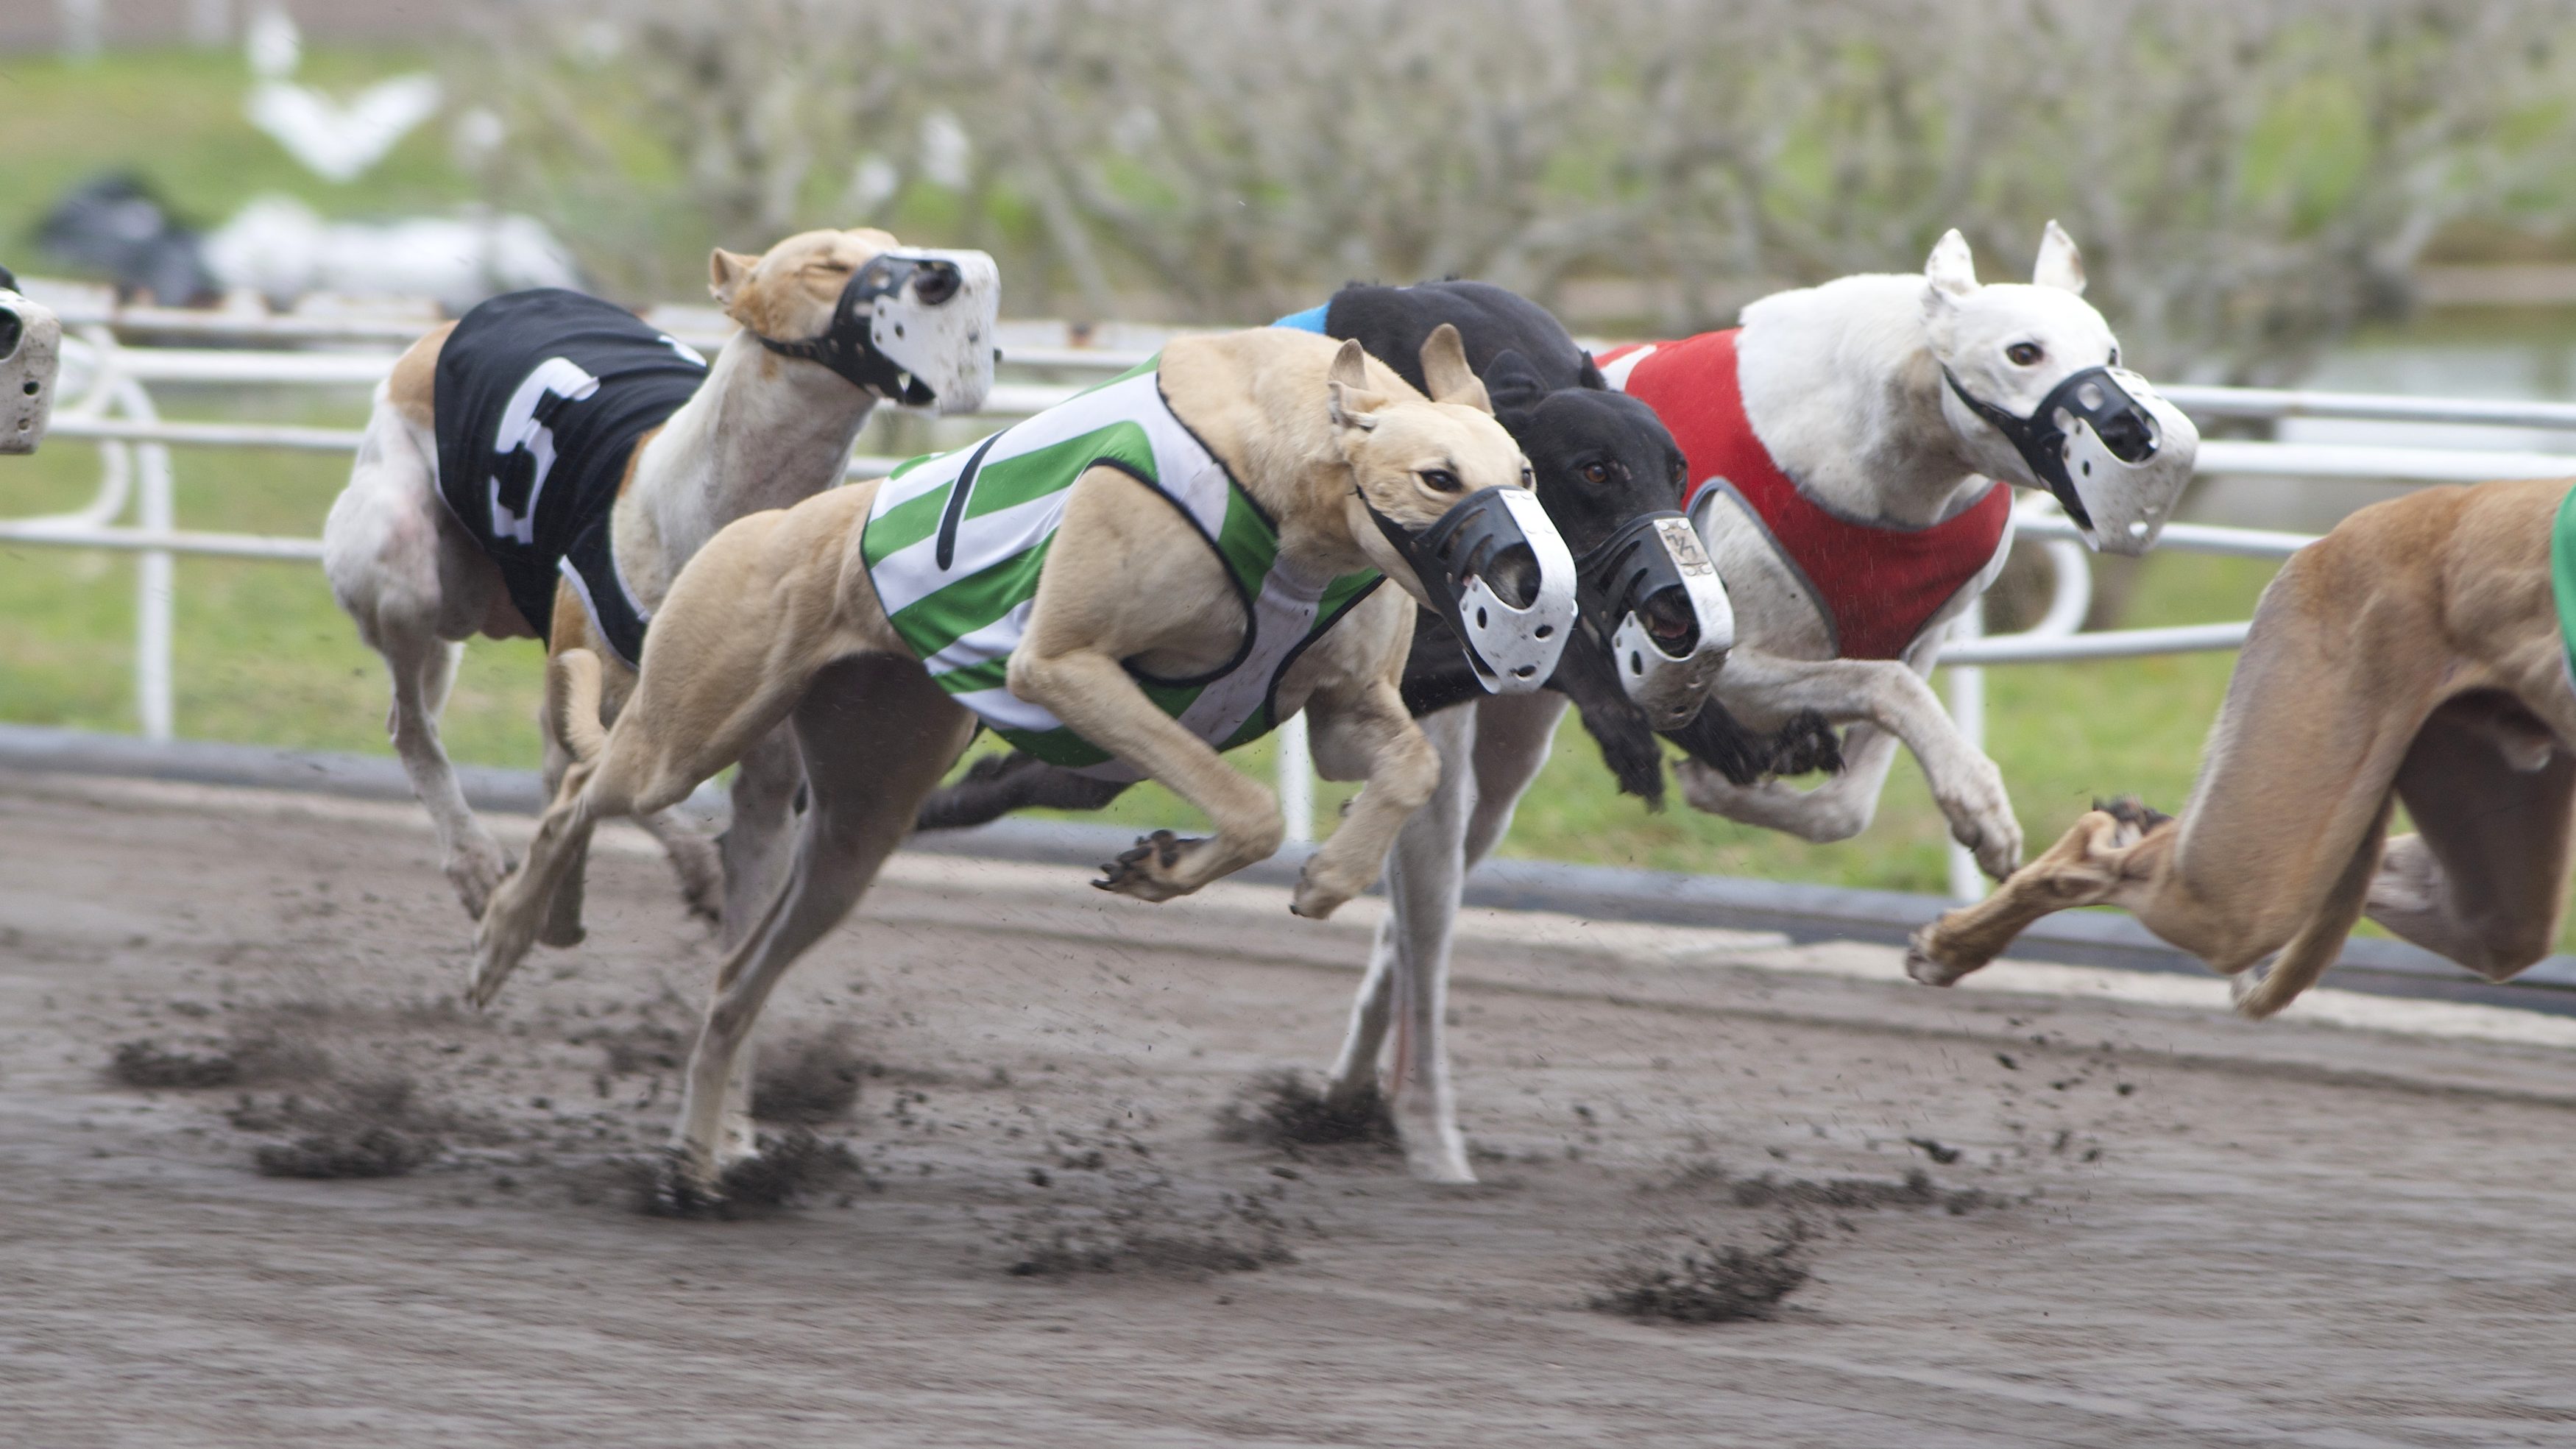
(2415, 654)
(808, 616)
(549, 429)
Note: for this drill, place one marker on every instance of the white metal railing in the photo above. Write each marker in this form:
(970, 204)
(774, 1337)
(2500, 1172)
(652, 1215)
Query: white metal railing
(111, 405)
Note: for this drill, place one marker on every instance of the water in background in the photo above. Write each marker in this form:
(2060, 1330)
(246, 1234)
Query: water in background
(2527, 355)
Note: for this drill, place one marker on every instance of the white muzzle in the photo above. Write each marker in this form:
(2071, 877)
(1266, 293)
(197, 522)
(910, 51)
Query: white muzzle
(31, 349)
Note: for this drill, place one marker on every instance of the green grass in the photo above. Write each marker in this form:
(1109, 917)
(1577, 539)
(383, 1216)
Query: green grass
(175, 117)
(265, 657)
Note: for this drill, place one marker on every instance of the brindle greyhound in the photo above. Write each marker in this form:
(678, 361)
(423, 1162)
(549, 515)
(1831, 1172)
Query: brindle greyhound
(762, 431)
(2414, 655)
(783, 617)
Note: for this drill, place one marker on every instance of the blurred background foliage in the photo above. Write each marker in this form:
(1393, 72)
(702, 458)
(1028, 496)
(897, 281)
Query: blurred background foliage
(2251, 180)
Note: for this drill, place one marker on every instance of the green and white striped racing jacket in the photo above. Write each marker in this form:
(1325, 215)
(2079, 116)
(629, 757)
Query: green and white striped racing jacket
(955, 541)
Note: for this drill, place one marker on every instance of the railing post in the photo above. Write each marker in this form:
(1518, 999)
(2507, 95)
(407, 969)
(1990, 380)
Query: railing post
(1968, 712)
(155, 571)
(1296, 781)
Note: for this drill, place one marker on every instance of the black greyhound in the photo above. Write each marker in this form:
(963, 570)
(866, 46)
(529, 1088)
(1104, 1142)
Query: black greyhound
(1598, 459)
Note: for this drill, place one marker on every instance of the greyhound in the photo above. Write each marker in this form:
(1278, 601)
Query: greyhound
(1842, 448)
(31, 347)
(2417, 654)
(449, 527)
(1610, 476)
(1037, 583)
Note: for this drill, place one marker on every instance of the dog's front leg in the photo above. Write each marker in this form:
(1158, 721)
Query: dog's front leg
(1895, 697)
(1364, 723)
(1840, 808)
(1409, 962)
(1093, 693)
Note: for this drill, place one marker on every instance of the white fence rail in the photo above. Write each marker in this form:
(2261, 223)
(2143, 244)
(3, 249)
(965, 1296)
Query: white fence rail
(111, 406)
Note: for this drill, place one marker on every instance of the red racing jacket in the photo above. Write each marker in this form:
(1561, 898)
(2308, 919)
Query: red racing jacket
(1878, 585)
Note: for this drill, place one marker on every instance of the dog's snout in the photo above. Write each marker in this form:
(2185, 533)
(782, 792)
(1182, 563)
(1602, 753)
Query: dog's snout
(1669, 617)
(2130, 435)
(1512, 574)
(935, 285)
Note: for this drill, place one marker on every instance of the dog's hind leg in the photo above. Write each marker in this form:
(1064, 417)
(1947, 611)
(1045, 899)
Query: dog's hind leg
(2283, 829)
(1406, 986)
(386, 556)
(756, 840)
(999, 783)
(2483, 880)
(744, 629)
(876, 735)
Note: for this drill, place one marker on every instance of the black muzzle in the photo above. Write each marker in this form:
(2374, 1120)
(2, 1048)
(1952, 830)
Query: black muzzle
(850, 347)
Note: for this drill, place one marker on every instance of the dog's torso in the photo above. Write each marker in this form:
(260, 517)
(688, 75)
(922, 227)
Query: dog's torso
(541, 400)
(955, 545)
(1874, 588)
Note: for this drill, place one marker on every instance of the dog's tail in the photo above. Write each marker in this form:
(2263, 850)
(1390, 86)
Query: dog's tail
(572, 701)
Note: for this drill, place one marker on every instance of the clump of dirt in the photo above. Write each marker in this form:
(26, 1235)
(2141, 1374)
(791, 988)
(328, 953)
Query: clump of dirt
(1701, 1281)
(808, 1079)
(789, 1167)
(636, 1047)
(1915, 1190)
(145, 1064)
(1144, 1227)
(361, 1127)
(1278, 1109)
(262, 1047)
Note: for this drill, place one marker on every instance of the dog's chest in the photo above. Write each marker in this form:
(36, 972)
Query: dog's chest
(1823, 585)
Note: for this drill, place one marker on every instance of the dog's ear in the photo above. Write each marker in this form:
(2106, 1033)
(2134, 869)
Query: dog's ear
(1347, 398)
(1512, 383)
(2060, 264)
(1444, 367)
(1590, 375)
(726, 272)
(1951, 274)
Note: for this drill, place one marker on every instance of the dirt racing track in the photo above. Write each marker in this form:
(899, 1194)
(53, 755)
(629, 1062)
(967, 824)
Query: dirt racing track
(2070, 1208)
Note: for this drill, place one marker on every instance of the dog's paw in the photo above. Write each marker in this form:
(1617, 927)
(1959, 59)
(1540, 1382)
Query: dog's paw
(476, 870)
(1149, 871)
(1925, 967)
(1981, 818)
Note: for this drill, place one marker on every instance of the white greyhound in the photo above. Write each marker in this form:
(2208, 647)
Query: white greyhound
(1842, 479)
(592, 469)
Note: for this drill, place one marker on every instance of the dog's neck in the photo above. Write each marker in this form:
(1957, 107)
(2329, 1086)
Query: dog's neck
(1842, 387)
(1262, 413)
(762, 432)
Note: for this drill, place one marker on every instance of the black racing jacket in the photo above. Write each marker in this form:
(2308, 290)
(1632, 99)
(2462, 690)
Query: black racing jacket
(541, 396)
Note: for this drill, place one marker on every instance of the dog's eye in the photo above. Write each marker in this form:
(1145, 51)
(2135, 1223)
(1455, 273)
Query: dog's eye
(2024, 354)
(2115, 354)
(1681, 473)
(1528, 478)
(1439, 480)
(1596, 474)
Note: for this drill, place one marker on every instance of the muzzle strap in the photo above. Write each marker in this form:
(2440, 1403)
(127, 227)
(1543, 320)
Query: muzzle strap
(2093, 396)
(850, 346)
(1512, 644)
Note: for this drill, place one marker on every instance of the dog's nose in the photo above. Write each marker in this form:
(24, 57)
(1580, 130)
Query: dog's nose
(1513, 575)
(2130, 435)
(937, 284)
(1668, 616)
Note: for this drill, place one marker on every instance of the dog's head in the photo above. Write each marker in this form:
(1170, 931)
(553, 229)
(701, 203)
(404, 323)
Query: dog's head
(2034, 391)
(910, 325)
(1413, 458)
(1441, 504)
